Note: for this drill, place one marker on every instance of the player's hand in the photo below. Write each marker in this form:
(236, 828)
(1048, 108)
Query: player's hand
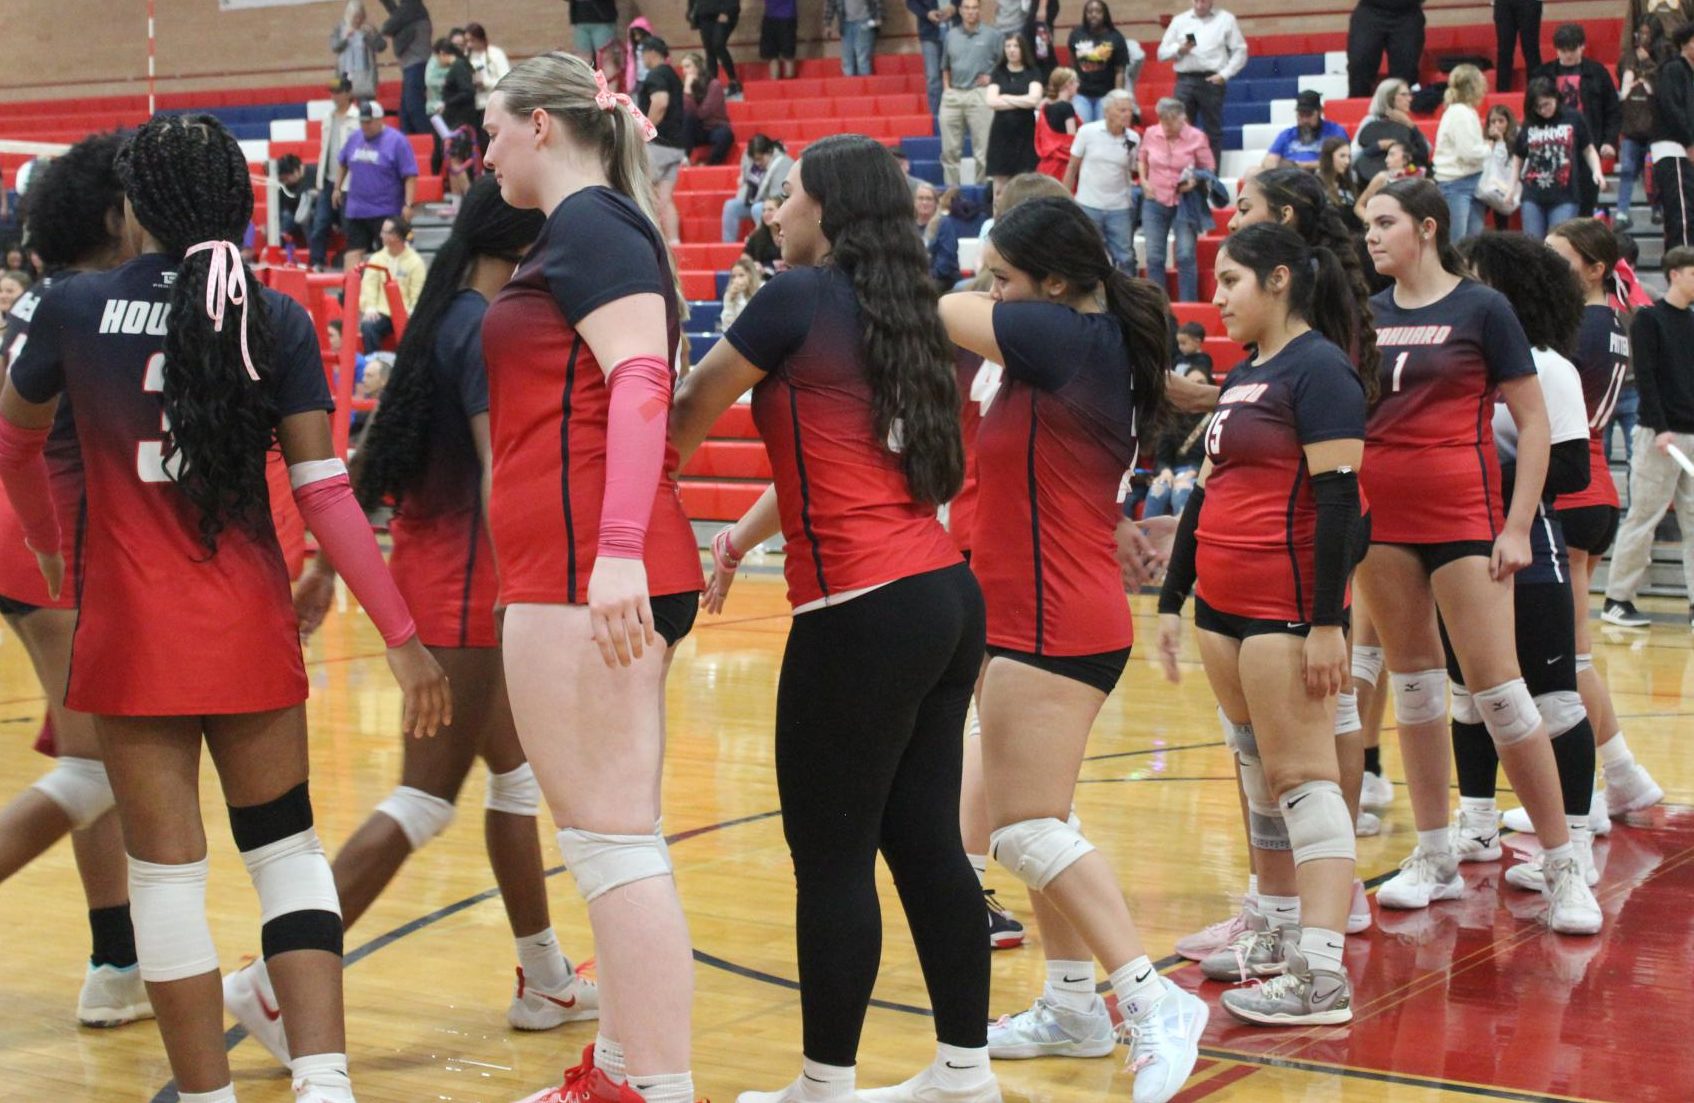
(1511, 555)
(722, 576)
(428, 699)
(618, 609)
(1170, 646)
(52, 566)
(312, 597)
(1608, 153)
(1143, 549)
(1325, 662)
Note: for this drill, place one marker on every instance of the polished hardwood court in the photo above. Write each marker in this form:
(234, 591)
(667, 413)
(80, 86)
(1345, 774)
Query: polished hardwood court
(1471, 999)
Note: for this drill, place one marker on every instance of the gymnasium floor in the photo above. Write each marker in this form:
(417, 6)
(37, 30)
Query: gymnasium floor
(1472, 999)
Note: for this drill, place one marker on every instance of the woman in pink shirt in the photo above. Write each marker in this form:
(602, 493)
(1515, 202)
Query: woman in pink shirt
(1171, 153)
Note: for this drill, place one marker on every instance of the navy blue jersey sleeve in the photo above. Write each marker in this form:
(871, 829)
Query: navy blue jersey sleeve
(775, 321)
(1504, 345)
(1043, 344)
(601, 248)
(297, 364)
(35, 359)
(1329, 399)
(458, 351)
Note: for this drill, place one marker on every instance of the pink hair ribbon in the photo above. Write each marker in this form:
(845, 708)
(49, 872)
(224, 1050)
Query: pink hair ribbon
(226, 285)
(608, 100)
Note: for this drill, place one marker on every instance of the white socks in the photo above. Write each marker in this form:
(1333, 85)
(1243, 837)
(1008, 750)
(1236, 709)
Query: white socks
(1322, 949)
(543, 965)
(225, 1094)
(1252, 889)
(677, 1087)
(608, 1058)
(1478, 807)
(820, 1082)
(1557, 854)
(959, 1069)
(1615, 758)
(325, 1074)
(1438, 841)
(1280, 911)
(1070, 985)
(1137, 987)
(979, 862)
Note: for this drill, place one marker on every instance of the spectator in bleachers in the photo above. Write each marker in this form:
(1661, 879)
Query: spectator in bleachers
(379, 181)
(1397, 166)
(705, 120)
(1046, 54)
(457, 97)
(594, 24)
(1180, 448)
(1498, 194)
(1460, 148)
(1056, 123)
(779, 33)
(1301, 143)
(1638, 69)
(745, 278)
(396, 259)
(635, 64)
(1014, 92)
(1208, 50)
(1389, 120)
(963, 218)
(1673, 172)
(1663, 17)
(1378, 27)
(764, 166)
(1586, 88)
(339, 126)
(355, 44)
(333, 328)
(295, 197)
(17, 260)
(435, 75)
(926, 205)
(1103, 60)
(717, 20)
(1335, 172)
(970, 53)
(934, 19)
(1172, 152)
(409, 28)
(762, 244)
(1554, 148)
(1102, 159)
(660, 99)
(1514, 21)
(488, 65)
(856, 21)
(13, 283)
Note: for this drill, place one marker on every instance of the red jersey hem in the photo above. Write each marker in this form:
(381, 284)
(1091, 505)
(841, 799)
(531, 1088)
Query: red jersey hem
(98, 705)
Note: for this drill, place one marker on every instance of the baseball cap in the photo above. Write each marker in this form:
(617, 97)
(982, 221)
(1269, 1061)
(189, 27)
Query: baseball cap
(370, 109)
(1308, 100)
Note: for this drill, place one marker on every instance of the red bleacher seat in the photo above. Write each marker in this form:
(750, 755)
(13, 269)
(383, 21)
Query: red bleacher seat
(729, 459)
(1225, 354)
(735, 423)
(719, 501)
(1204, 313)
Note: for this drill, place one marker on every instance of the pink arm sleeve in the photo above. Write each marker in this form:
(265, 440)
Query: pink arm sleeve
(345, 536)
(635, 452)
(23, 470)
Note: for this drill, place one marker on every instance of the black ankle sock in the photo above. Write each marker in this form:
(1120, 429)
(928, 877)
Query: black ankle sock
(114, 936)
(1574, 753)
(1373, 761)
(1477, 761)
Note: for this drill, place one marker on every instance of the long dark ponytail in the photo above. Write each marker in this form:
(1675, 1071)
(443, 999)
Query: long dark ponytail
(1053, 237)
(396, 447)
(186, 179)
(867, 217)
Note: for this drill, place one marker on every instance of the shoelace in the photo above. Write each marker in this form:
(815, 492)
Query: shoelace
(1277, 987)
(994, 904)
(1033, 1011)
(1563, 878)
(1146, 1035)
(1244, 945)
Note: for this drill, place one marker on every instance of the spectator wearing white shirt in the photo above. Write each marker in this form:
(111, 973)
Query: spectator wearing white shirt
(1460, 148)
(1102, 159)
(1208, 49)
(488, 65)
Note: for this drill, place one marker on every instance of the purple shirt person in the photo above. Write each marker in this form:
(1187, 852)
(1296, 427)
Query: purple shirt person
(381, 168)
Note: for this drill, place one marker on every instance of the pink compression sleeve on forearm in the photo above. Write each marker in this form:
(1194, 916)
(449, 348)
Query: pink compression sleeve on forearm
(635, 452)
(23, 470)
(334, 517)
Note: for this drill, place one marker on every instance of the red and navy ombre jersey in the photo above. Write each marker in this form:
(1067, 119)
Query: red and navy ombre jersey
(442, 559)
(166, 629)
(548, 405)
(1602, 359)
(1430, 469)
(849, 520)
(1259, 520)
(1051, 453)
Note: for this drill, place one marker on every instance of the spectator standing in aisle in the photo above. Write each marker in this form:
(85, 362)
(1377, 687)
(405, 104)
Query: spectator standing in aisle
(379, 181)
(1516, 20)
(717, 20)
(1208, 49)
(409, 28)
(1014, 92)
(1585, 87)
(705, 118)
(1638, 78)
(1056, 123)
(779, 33)
(1378, 27)
(934, 20)
(1103, 60)
(1673, 173)
(396, 259)
(594, 23)
(488, 65)
(1661, 340)
(660, 99)
(764, 167)
(972, 50)
(339, 126)
(1301, 144)
(355, 44)
(1102, 160)
(1460, 149)
(1389, 121)
(857, 22)
(1172, 153)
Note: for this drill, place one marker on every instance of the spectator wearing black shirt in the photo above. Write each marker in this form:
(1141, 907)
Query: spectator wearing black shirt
(660, 99)
(1554, 149)
(716, 20)
(409, 28)
(1103, 59)
(1389, 121)
(1673, 174)
(1377, 27)
(1516, 20)
(1585, 87)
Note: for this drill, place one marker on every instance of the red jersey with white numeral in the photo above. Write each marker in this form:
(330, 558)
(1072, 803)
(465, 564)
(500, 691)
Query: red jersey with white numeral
(1431, 472)
(1602, 359)
(166, 628)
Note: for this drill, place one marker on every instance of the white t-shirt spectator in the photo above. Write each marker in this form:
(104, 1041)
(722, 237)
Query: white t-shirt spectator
(1103, 180)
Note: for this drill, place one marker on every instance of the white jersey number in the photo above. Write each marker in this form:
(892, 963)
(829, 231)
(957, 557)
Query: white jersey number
(150, 454)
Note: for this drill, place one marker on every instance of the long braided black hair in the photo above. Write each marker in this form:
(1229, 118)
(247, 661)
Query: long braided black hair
(396, 447)
(187, 182)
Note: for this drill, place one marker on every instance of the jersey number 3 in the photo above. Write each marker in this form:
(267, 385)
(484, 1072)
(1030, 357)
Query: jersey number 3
(150, 454)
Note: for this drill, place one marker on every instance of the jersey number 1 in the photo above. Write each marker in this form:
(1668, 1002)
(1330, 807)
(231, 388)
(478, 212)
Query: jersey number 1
(1399, 369)
(150, 454)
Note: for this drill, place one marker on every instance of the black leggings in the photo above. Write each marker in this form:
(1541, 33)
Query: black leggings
(714, 36)
(870, 717)
(1516, 21)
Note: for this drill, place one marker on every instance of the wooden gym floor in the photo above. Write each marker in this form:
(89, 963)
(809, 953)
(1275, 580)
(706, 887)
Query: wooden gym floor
(1470, 999)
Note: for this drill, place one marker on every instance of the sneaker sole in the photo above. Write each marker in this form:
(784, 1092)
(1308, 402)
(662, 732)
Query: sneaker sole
(547, 1020)
(1005, 941)
(1639, 804)
(1489, 854)
(1620, 622)
(1030, 1050)
(105, 1018)
(1452, 890)
(1581, 929)
(1315, 1018)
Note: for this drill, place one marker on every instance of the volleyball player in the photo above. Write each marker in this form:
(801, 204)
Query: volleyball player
(181, 375)
(75, 223)
(426, 454)
(1271, 558)
(1545, 296)
(855, 395)
(1441, 540)
(597, 559)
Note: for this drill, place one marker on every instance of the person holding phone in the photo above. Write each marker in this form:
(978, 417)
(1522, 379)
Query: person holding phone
(1208, 49)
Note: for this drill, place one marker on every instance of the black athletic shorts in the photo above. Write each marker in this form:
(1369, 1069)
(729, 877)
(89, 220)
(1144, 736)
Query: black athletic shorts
(10, 608)
(777, 38)
(363, 234)
(1101, 670)
(1545, 624)
(673, 615)
(1240, 628)
(1435, 556)
(1590, 529)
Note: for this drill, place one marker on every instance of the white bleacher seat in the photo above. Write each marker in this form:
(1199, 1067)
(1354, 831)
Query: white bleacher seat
(970, 254)
(1328, 85)
(256, 152)
(319, 109)
(1282, 113)
(288, 130)
(1237, 161)
(1260, 135)
(1335, 62)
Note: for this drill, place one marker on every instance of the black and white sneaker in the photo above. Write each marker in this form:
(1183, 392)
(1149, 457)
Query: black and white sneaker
(1624, 614)
(1004, 931)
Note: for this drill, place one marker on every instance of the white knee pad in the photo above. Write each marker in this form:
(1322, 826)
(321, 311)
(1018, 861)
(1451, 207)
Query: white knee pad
(1584, 661)
(1464, 706)
(1235, 735)
(1367, 664)
(167, 905)
(1420, 697)
(1318, 823)
(1265, 827)
(515, 792)
(664, 846)
(1509, 712)
(299, 908)
(421, 816)
(1562, 710)
(601, 863)
(1036, 851)
(1347, 714)
(80, 789)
